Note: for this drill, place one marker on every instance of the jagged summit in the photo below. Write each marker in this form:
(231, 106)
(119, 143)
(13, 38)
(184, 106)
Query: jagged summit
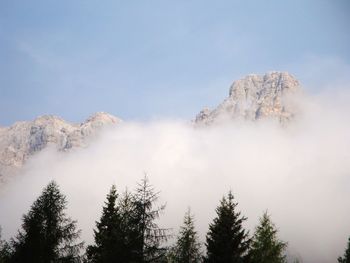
(23, 139)
(96, 121)
(103, 118)
(251, 98)
(255, 97)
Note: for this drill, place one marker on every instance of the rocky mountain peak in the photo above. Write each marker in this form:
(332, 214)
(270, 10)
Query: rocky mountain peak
(96, 121)
(255, 97)
(271, 81)
(48, 119)
(23, 139)
(103, 117)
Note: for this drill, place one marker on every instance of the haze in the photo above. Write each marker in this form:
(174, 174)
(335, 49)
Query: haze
(300, 173)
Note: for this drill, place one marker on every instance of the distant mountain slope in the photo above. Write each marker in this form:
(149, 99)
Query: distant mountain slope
(23, 139)
(252, 98)
(255, 97)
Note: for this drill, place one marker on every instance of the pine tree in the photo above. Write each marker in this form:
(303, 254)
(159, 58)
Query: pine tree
(130, 228)
(47, 234)
(346, 257)
(109, 238)
(4, 250)
(147, 245)
(126, 231)
(227, 241)
(187, 248)
(265, 247)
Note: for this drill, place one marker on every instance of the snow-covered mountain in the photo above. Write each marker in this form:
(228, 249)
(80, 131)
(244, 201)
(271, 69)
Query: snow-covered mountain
(23, 139)
(256, 97)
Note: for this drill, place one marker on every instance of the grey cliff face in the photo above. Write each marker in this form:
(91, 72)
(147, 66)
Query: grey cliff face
(255, 97)
(23, 139)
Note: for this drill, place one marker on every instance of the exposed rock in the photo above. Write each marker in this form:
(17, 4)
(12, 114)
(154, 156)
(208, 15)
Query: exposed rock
(256, 97)
(252, 98)
(23, 139)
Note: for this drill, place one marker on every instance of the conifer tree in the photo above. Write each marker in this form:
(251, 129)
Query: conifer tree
(187, 248)
(227, 241)
(4, 250)
(129, 225)
(127, 231)
(346, 257)
(47, 234)
(265, 246)
(147, 245)
(109, 243)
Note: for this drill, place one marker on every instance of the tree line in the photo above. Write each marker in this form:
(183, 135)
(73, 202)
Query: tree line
(127, 232)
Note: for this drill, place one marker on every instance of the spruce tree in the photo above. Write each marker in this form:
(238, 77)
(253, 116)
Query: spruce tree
(227, 241)
(47, 234)
(346, 257)
(127, 231)
(265, 246)
(129, 225)
(187, 248)
(149, 237)
(4, 250)
(109, 243)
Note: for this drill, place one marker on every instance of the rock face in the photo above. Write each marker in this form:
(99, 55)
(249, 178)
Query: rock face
(252, 98)
(23, 139)
(255, 97)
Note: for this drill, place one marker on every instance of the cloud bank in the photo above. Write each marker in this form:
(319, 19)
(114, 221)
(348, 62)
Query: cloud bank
(300, 173)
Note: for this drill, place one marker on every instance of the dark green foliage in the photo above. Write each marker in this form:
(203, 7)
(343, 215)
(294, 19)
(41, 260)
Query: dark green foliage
(109, 244)
(346, 257)
(149, 236)
(47, 234)
(127, 231)
(265, 246)
(4, 250)
(187, 248)
(226, 240)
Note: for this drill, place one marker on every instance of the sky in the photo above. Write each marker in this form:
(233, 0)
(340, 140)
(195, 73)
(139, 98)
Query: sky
(146, 60)
(157, 63)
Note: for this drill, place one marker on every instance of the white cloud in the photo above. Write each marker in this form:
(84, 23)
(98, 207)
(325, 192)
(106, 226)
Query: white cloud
(300, 173)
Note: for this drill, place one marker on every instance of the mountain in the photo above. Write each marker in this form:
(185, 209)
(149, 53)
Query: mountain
(23, 139)
(256, 97)
(252, 98)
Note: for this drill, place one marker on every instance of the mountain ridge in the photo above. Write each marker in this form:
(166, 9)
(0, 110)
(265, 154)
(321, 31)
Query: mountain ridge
(255, 97)
(252, 98)
(25, 138)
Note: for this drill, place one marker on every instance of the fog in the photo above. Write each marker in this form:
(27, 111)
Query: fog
(300, 173)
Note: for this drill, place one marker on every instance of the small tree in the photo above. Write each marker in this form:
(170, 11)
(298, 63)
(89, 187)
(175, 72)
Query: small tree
(187, 248)
(266, 247)
(149, 236)
(226, 240)
(47, 234)
(346, 257)
(109, 243)
(4, 250)
(126, 231)
(130, 226)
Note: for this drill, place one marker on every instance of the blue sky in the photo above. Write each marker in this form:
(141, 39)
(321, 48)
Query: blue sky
(142, 60)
